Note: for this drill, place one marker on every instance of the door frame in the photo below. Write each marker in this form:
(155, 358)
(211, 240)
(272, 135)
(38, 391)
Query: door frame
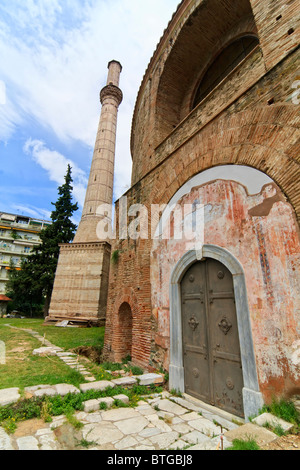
(252, 397)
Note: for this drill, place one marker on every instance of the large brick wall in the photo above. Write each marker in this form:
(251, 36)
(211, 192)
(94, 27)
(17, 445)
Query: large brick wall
(277, 23)
(249, 119)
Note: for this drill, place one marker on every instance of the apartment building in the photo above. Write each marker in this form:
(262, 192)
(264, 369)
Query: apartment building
(18, 235)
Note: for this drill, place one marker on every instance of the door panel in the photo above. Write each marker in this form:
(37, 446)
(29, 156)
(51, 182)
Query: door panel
(195, 353)
(212, 361)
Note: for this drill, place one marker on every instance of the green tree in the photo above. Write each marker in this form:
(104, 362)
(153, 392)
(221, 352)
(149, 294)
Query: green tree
(34, 282)
(26, 297)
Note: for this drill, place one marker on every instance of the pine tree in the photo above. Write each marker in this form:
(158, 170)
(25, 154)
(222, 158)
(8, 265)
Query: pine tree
(35, 279)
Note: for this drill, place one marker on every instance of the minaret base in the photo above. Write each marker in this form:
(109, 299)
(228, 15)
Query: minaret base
(81, 284)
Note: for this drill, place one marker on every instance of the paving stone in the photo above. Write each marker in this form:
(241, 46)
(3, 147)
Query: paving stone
(81, 415)
(182, 428)
(159, 423)
(171, 407)
(190, 416)
(196, 437)
(47, 442)
(90, 378)
(66, 354)
(27, 443)
(100, 385)
(44, 351)
(226, 424)
(5, 442)
(91, 405)
(132, 425)
(153, 401)
(45, 392)
(109, 401)
(119, 414)
(34, 388)
(102, 433)
(148, 432)
(64, 389)
(43, 431)
(145, 411)
(185, 403)
(57, 423)
(67, 436)
(142, 403)
(166, 416)
(93, 418)
(215, 444)
(148, 379)
(251, 431)
(178, 445)
(94, 404)
(121, 397)
(177, 420)
(268, 418)
(124, 381)
(126, 442)
(205, 426)
(9, 395)
(163, 441)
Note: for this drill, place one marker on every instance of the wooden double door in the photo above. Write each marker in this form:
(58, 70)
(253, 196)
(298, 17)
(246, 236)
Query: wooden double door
(212, 359)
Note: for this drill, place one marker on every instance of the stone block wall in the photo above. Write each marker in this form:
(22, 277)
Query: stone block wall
(81, 282)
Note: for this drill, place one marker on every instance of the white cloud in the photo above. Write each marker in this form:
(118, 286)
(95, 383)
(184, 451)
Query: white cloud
(56, 166)
(54, 56)
(32, 211)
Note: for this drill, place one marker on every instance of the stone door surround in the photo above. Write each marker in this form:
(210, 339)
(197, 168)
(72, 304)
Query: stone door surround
(252, 397)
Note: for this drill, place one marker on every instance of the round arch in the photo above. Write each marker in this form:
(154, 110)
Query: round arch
(123, 324)
(252, 396)
(200, 38)
(236, 140)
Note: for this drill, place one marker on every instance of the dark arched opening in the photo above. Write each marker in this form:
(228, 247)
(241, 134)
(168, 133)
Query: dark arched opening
(225, 62)
(125, 331)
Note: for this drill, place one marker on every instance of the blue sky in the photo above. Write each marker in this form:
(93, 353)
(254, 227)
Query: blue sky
(54, 56)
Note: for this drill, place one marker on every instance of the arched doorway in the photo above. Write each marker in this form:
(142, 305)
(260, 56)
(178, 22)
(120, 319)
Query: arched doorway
(252, 397)
(125, 331)
(211, 349)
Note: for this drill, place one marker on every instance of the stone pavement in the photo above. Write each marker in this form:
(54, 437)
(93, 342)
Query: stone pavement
(160, 422)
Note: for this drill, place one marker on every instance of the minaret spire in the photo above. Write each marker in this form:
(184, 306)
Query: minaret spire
(101, 179)
(81, 280)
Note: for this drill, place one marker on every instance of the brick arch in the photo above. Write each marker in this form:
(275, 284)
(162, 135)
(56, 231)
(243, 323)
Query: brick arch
(199, 40)
(127, 295)
(266, 139)
(123, 318)
(123, 333)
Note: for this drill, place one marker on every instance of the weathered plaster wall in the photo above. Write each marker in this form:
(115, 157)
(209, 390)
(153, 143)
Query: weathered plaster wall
(81, 282)
(261, 232)
(250, 119)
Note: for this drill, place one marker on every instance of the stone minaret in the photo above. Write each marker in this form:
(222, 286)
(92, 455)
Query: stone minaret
(81, 279)
(101, 180)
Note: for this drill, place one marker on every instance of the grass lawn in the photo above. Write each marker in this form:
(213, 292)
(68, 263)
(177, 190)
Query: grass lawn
(22, 369)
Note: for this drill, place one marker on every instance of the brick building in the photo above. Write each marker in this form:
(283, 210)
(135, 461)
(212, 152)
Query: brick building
(215, 128)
